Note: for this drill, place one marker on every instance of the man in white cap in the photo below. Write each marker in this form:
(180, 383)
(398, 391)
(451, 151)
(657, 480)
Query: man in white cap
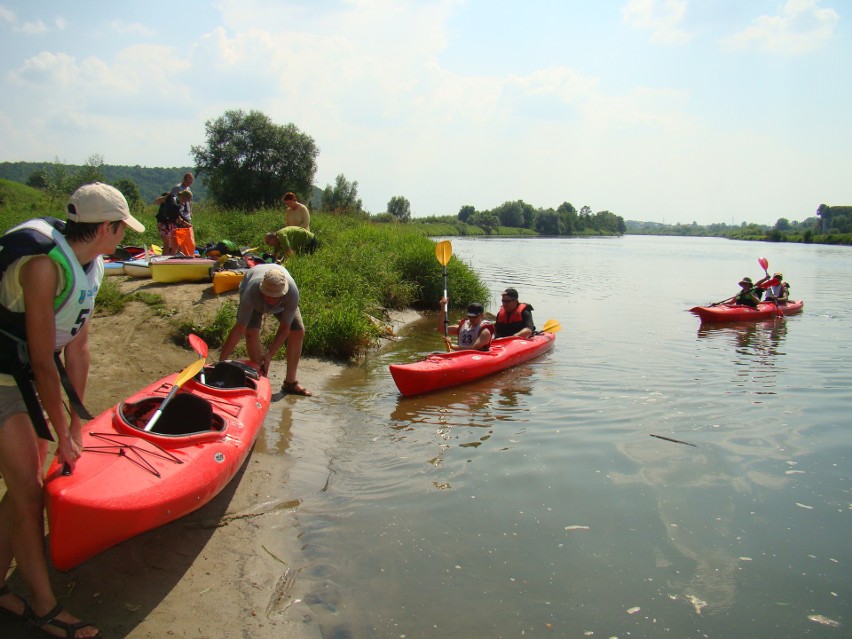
(269, 289)
(50, 272)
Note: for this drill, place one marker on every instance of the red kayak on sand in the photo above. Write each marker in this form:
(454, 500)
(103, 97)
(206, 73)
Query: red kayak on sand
(737, 313)
(129, 480)
(442, 370)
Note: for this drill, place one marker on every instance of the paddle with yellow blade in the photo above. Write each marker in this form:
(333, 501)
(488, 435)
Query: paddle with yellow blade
(186, 374)
(551, 326)
(444, 251)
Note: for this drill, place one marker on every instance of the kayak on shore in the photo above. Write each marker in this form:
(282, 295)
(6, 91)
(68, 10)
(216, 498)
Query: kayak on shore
(129, 480)
(739, 313)
(443, 370)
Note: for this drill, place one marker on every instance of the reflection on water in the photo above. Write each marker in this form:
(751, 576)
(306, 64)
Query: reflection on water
(466, 416)
(749, 337)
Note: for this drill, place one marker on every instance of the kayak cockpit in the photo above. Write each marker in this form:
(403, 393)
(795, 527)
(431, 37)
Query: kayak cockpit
(185, 417)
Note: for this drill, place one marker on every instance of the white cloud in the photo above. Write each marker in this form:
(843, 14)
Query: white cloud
(802, 26)
(36, 27)
(661, 17)
(7, 15)
(131, 28)
(48, 70)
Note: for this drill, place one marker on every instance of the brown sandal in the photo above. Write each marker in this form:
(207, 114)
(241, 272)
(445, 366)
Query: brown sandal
(294, 388)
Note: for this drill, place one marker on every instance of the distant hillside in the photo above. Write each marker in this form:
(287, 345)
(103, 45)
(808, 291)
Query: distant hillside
(151, 181)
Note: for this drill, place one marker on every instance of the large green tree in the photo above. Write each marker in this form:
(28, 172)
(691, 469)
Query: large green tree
(342, 197)
(249, 162)
(400, 208)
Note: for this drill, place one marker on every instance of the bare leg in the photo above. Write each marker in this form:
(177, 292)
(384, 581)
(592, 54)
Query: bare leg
(294, 353)
(22, 515)
(255, 350)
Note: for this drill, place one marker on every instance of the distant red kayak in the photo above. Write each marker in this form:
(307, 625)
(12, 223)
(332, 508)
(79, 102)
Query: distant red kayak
(443, 370)
(737, 313)
(129, 481)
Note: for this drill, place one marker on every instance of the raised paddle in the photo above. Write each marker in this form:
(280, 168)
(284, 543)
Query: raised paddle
(200, 347)
(764, 264)
(186, 374)
(444, 251)
(551, 326)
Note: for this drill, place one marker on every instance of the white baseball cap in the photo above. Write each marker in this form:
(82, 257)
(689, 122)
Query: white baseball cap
(99, 202)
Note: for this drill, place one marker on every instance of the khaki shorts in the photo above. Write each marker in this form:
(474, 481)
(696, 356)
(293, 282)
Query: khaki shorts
(256, 321)
(11, 403)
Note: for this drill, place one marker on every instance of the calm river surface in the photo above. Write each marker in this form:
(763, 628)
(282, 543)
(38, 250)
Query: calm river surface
(536, 503)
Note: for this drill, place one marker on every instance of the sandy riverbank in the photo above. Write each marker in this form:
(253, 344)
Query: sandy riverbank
(230, 569)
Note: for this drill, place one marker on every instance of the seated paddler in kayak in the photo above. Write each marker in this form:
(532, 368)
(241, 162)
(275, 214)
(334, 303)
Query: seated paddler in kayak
(778, 293)
(514, 318)
(749, 295)
(473, 331)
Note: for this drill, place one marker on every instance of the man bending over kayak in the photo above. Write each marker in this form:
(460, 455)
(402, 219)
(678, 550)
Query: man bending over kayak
(269, 289)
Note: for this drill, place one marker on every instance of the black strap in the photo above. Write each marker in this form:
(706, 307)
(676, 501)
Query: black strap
(23, 379)
(25, 386)
(73, 397)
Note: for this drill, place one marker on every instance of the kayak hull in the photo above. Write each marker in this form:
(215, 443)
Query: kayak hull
(224, 281)
(179, 269)
(736, 313)
(129, 481)
(444, 370)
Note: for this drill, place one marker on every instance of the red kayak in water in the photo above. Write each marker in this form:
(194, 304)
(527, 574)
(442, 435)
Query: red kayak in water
(737, 313)
(129, 480)
(442, 370)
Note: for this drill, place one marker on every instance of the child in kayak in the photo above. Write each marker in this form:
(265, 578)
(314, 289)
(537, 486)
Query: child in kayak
(474, 332)
(779, 293)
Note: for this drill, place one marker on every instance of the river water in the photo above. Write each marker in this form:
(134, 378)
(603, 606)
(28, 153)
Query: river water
(537, 502)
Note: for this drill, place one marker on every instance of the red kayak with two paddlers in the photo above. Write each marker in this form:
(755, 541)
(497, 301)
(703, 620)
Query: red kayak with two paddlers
(728, 311)
(740, 313)
(443, 370)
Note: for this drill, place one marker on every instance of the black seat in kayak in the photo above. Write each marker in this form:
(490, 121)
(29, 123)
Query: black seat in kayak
(229, 374)
(185, 414)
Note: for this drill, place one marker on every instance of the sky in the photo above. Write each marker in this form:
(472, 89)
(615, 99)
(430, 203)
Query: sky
(656, 110)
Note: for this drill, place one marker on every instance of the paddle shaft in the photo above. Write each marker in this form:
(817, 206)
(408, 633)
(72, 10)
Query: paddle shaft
(446, 306)
(185, 375)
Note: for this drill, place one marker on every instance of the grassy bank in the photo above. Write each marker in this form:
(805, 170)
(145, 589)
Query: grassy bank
(359, 272)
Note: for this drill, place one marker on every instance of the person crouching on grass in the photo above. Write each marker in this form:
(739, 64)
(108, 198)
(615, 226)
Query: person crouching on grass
(289, 240)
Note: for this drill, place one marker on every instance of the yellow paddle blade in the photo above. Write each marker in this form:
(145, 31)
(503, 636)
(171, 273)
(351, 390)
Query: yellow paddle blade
(189, 372)
(551, 326)
(156, 250)
(444, 251)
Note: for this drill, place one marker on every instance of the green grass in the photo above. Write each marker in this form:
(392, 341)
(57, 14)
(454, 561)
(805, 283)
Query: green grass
(111, 300)
(360, 271)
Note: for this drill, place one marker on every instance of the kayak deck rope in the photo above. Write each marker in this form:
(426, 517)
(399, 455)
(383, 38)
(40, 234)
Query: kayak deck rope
(132, 452)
